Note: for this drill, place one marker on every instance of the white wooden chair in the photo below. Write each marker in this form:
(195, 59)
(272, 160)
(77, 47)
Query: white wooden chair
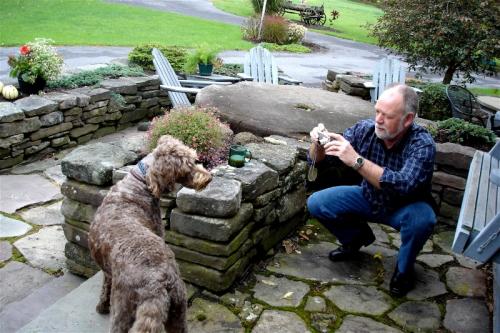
(386, 72)
(177, 89)
(260, 66)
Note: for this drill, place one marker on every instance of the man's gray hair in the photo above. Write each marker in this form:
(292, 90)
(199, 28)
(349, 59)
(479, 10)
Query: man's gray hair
(410, 97)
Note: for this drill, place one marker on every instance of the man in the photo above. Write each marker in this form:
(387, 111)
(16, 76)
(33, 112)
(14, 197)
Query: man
(395, 158)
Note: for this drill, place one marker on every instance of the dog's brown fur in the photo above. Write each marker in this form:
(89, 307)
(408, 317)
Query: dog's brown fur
(126, 239)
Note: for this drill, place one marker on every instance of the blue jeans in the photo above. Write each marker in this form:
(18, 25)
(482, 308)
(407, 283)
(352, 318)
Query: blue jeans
(344, 211)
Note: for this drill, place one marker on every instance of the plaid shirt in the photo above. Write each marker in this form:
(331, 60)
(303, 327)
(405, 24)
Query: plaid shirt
(408, 166)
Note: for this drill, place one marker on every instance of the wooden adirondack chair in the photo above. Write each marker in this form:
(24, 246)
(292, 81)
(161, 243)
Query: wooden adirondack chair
(177, 89)
(386, 72)
(260, 66)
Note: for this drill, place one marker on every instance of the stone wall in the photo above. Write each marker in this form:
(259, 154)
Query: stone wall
(215, 233)
(450, 176)
(38, 125)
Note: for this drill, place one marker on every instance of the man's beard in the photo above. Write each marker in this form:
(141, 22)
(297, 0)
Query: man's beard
(382, 134)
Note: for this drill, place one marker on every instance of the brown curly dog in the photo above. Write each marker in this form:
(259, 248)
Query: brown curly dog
(142, 284)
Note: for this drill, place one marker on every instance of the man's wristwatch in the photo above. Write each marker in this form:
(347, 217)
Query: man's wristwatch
(359, 163)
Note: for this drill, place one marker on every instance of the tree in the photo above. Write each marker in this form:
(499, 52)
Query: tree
(272, 7)
(443, 35)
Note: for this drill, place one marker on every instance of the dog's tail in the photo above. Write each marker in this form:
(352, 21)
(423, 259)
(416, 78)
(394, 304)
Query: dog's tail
(151, 315)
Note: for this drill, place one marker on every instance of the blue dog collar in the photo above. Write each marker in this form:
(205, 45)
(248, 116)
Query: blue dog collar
(142, 167)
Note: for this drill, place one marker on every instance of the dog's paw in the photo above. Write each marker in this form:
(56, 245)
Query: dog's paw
(102, 308)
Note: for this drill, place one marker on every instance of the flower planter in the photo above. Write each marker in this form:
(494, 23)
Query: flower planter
(205, 69)
(31, 88)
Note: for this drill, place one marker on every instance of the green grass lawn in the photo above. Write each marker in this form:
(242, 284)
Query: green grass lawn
(486, 91)
(349, 25)
(93, 22)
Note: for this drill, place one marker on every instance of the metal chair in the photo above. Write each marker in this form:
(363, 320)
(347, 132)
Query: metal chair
(465, 106)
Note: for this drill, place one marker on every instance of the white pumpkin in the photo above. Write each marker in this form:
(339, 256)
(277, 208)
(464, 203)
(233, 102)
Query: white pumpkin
(1, 86)
(10, 92)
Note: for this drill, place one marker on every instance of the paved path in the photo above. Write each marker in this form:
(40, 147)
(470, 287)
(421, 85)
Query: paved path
(336, 53)
(301, 291)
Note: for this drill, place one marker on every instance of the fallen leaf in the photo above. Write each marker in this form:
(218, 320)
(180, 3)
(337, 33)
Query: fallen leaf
(288, 294)
(269, 283)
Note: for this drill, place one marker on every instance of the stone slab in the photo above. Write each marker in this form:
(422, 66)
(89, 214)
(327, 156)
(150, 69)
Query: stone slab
(94, 163)
(280, 158)
(22, 190)
(10, 112)
(283, 109)
(210, 228)
(417, 316)
(5, 251)
(467, 315)
(359, 299)
(315, 304)
(75, 312)
(272, 321)
(209, 247)
(256, 178)
(44, 249)
(279, 291)
(19, 313)
(313, 264)
(221, 198)
(204, 317)
(44, 215)
(466, 282)
(55, 174)
(12, 228)
(19, 280)
(435, 260)
(37, 166)
(357, 324)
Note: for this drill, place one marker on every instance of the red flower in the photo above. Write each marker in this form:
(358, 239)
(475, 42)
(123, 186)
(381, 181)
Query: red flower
(25, 49)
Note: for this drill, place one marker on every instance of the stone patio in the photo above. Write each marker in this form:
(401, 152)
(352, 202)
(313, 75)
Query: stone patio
(300, 291)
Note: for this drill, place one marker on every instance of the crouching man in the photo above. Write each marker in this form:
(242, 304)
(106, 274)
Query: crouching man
(395, 158)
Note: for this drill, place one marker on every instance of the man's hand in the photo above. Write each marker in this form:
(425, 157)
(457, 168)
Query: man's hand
(340, 147)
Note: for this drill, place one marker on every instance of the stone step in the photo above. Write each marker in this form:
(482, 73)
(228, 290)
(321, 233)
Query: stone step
(75, 312)
(18, 313)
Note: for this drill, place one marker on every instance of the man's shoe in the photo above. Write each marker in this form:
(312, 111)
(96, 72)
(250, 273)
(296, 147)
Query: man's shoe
(350, 251)
(344, 253)
(401, 283)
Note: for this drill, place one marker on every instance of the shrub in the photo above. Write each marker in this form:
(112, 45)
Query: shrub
(434, 104)
(462, 132)
(272, 6)
(250, 29)
(275, 30)
(296, 33)
(196, 127)
(141, 55)
(93, 77)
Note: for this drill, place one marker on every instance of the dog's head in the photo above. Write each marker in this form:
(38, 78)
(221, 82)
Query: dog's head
(174, 162)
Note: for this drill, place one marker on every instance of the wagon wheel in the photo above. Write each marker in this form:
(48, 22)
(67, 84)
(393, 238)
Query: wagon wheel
(281, 11)
(306, 16)
(321, 20)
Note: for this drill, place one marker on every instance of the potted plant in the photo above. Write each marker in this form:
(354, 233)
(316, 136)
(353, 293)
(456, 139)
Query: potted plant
(203, 58)
(37, 63)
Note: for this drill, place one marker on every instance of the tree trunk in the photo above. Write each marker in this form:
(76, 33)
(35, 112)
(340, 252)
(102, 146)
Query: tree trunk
(448, 75)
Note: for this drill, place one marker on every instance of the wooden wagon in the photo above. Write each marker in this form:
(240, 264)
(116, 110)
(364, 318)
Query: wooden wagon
(310, 15)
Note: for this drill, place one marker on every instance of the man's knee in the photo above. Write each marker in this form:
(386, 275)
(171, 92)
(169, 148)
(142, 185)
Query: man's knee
(421, 218)
(313, 205)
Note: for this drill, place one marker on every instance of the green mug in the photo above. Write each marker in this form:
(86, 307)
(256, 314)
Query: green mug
(239, 155)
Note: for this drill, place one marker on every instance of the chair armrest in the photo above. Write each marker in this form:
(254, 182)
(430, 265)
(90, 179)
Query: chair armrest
(244, 77)
(201, 83)
(369, 85)
(288, 80)
(181, 89)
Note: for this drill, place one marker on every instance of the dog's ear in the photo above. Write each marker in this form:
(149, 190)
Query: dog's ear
(171, 160)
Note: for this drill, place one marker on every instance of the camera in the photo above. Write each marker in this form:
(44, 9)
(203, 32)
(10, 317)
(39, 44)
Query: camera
(323, 138)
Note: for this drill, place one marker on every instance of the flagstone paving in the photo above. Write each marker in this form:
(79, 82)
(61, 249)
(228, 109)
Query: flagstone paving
(302, 291)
